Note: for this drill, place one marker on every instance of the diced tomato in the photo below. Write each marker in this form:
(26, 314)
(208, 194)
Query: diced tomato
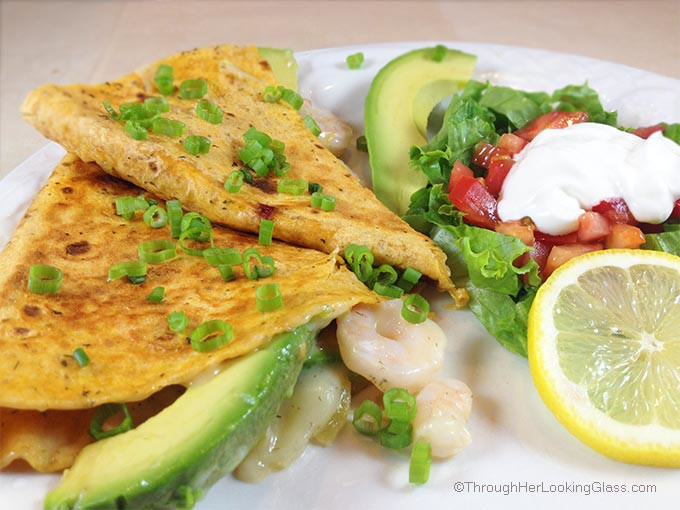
(676, 210)
(485, 152)
(616, 211)
(472, 198)
(498, 171)
(540, 254)
(561, 254)
(511, 143)
(646, 132)
(518, 229)
(625, 236)
(459, 170)
(553, 120)
(593, 226)
(571, 238)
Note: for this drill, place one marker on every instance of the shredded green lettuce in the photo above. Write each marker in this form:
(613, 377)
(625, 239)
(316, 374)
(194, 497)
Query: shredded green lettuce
(672, 131)
(668, 241)
(582, 98)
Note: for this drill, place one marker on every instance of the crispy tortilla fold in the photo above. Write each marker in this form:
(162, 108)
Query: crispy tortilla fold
(72, 225)
(50, 440)
(74, 116)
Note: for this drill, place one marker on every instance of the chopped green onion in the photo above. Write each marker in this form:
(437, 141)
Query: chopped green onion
(390, 438)
(291, 186)
(195, 220)
(268, 297)
(388, 290)
(222, 256)
(362, 144)
(399, 404)
(415, 309)
(137, 279)
(150, 201)
(323, 201)
(126, 206)
(156, 295)
(438, 53)
(253, 134)
(314, 187)
(355, 60)
(234, 182)
(111, 111)
(368, 418)
(247, 176)
(81, 357)
(272, 94)
(262, 154)
(226, 272)
(157, 105)
(44, 279)
(262, 269)
(384, 274)
(202, 339)
(409, 279)
(175, 217)
(105, 412)
(312, 125)
(164, 79)
(178, 321)
(250, 152)
(421, 460)
(291, 97)
(136, 130)
(196, 144)
(134, 111)
(360, 259)
(197, 234)
(129, 268)
(157, 250)
(163, 126)
(399, 427)
(266, 233)
(155, 217)
(193, 89)
(209, 111)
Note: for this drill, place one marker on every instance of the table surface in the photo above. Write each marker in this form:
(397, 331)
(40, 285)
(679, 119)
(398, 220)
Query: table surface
(77, 41)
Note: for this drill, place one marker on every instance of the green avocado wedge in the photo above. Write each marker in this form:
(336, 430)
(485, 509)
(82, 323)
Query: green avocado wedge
(401, 97)
(283, 64)
(172, 459)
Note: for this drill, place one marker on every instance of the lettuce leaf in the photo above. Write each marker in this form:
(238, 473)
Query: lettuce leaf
(672, 131)
(582, 98)
(668, 241)
(518, 108)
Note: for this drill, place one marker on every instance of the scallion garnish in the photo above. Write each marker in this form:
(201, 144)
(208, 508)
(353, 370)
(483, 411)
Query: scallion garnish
(178, 321)
(314, 187)
(130, 268)
(355, 60)
(323, 201)
(399, 404)
(262, 154)
(263, 267)
(360, 259)
(388, 290)
(193, 89)
(44, 279)
(200, 234)
(164, 79)
(291, 186)
(135, 129)
(156, 295)
(384, 274)
(234, 181)
(203, 338)
(81, 357)
(312, 125)
(395, 436)
(157, 105)
(196, 144)
(226, 272)
(272, 94)
(438, 53)
(155, 217)
(157, 250)
(126, 206)
(195, 220)
(209, 112)
(163, 126)
(247, 176)
(415, 309)
(222, 256)
(268, 297)
(368, 418)
(174, 217)
(110, 110)
(421, 460)
(266, 232)
(409, 279)
(291, 97)
(102, 414)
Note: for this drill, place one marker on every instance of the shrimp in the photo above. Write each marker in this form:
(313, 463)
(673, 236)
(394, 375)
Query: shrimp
(335, 134)
(378, 343)
(442, 410)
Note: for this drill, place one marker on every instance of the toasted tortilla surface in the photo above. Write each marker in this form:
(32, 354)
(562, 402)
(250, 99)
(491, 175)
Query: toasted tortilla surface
(73, 115)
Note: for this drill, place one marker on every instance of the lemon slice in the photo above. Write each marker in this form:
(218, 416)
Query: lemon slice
(604, 352)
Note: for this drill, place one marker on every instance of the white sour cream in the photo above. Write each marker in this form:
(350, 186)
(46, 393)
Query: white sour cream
(564, 172)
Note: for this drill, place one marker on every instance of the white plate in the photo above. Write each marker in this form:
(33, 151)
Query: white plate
(518, 447)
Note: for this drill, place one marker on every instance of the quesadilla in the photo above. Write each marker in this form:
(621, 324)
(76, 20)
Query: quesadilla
(236, 78)
(73, 225)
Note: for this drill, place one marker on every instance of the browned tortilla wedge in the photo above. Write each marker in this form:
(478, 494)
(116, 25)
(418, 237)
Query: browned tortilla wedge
(72, 225)
(74, 116)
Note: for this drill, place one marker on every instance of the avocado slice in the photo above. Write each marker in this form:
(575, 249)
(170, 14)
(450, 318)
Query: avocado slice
(174, 457)
(398, 104)
(284, 66)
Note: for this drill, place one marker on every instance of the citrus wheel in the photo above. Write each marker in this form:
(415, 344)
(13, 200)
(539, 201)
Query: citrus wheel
(604, 352)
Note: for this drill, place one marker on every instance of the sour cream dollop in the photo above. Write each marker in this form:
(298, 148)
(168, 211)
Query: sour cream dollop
(564, 172)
